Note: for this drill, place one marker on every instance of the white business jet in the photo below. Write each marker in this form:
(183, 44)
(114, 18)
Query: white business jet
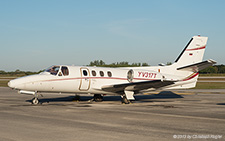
(126, 82)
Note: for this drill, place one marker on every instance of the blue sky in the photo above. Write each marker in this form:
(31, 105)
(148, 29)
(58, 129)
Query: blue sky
(35, 34)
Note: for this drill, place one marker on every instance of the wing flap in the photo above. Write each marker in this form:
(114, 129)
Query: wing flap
(136, 86)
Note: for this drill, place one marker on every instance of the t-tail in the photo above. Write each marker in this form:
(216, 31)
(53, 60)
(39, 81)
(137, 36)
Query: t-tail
(193, 52)
(189, 62)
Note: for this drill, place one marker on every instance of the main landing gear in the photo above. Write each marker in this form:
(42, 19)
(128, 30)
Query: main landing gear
(76, 98)
(98, 98)
(127, 97)
(124, 100)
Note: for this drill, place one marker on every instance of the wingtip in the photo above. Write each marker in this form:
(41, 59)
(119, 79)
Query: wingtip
(212, 61)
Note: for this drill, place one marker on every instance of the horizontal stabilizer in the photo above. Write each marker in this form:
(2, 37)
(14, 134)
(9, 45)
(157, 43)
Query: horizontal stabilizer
(198, 66)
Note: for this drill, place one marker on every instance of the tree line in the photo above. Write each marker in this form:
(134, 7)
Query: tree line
(216, 69)
(100, 63)
(17, 73)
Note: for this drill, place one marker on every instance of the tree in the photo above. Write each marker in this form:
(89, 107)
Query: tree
(168, 63)
(2, 72)
(221, 68)
(211, 69)
(145, 64)
(97, 63)
(101, 63)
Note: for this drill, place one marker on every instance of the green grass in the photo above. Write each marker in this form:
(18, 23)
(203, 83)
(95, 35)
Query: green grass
(12, 75)
(213, 74)
(3, 83)
(210, 85)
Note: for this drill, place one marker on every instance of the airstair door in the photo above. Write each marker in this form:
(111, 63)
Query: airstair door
(85, 80)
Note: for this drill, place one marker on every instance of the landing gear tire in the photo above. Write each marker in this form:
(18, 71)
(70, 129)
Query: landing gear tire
(76, 98)
(98, 98)
(35, 101)
(125, 100)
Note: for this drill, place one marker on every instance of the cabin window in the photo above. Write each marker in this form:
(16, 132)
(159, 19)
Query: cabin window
(85, 73)
(101, 73)
(93, 73)
(109, 73)
(65, 71)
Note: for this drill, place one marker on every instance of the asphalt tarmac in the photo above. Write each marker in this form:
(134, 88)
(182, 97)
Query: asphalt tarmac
(163, 116)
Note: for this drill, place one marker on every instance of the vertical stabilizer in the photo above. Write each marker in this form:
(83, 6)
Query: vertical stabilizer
(193, 52)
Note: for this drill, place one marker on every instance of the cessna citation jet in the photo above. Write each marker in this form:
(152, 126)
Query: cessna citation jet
(126, 82)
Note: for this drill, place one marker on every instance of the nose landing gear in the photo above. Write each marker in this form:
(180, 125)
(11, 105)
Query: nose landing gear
(35, 101)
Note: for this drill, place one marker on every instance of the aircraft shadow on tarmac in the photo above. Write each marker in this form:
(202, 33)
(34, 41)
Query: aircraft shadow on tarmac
(220, 104)
(145, 98)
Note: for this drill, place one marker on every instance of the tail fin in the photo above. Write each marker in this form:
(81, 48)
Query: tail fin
(193, 52)
(189, 63)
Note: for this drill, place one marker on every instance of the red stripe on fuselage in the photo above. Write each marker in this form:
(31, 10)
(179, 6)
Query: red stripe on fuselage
(195, 48)
(115, 78)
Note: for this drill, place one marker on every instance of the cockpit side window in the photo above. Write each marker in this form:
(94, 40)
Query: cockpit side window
(53, 70)
(65, 71)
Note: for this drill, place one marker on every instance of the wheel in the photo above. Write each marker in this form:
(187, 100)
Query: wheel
(76, 98)
(125, 100)
(35, 101)
(98, 98)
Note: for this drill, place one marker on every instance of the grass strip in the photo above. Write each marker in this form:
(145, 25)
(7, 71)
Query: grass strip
(4, 83)
(210, 85)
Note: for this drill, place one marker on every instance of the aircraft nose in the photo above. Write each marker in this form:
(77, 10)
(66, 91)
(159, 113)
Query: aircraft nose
(10, 84)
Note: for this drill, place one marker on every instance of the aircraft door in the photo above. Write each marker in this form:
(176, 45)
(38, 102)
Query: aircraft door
(85, 80)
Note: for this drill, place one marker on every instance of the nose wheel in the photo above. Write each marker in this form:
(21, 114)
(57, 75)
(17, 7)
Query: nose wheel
(35, 101)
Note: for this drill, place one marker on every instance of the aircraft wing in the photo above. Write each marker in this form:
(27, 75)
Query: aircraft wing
(198, 66)
(137, 86)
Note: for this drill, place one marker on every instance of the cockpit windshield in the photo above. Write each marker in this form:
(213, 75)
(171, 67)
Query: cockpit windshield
(53, 70)
(60, 70)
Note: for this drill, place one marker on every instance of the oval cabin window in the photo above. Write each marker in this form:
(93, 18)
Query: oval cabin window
(109, 73)
(101, 73)
(93, 73)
